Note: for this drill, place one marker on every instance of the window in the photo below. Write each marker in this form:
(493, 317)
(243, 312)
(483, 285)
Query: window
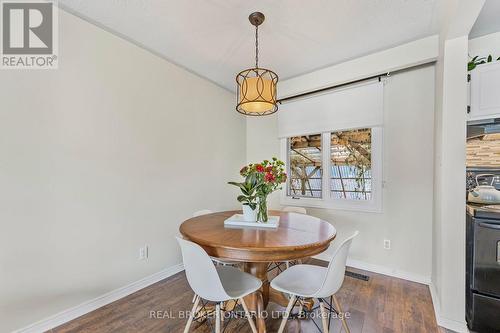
(350, 153)
(338, 169)
(305, 172)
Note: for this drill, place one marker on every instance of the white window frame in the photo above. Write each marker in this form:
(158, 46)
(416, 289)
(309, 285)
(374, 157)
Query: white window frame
(326, 201)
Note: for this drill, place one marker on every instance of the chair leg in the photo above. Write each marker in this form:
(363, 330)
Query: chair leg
(193, 312)
(301, 308)
(342, 314)
(223, 306)
(217, 318)
(249, 316)
(324, 314)
(194, 298)
(287, 313)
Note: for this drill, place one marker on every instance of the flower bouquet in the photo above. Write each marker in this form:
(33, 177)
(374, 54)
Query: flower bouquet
(261, 179)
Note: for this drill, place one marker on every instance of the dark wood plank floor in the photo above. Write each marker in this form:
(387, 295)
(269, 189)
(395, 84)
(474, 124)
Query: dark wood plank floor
(383, 304)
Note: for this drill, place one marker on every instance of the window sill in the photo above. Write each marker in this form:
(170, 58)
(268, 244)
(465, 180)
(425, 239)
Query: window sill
(348, 205)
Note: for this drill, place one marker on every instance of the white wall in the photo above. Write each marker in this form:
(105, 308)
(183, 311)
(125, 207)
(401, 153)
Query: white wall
(448, 273)
(406, 55)
(110, 152)
(408, 172)
(449, 228)
(484, 45)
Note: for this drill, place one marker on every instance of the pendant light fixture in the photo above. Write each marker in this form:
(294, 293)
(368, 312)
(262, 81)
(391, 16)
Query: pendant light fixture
(256, 91)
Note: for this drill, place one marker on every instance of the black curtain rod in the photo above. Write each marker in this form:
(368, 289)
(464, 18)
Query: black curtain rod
(379, 76)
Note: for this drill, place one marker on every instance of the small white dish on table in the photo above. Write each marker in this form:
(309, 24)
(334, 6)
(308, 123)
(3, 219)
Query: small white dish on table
(237, 220)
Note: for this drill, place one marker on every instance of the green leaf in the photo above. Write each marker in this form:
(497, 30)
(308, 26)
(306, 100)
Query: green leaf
(471, 66)
(498, 59)
(240, 185)
(490, 58)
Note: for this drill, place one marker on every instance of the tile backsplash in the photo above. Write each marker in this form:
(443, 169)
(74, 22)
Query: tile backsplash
(484, 151)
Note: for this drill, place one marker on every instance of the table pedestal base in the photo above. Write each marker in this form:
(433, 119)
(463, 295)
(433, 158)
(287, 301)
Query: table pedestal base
(257, 302)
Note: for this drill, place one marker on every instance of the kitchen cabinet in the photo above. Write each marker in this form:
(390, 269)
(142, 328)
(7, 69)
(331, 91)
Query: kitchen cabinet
(484, 92)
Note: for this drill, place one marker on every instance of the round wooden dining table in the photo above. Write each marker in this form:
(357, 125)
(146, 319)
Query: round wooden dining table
(297, 236)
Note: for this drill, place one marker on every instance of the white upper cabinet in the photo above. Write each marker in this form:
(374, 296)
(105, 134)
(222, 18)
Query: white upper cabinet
(485, 91)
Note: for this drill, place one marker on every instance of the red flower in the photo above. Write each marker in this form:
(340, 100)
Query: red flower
(259, 168)
(269, 177)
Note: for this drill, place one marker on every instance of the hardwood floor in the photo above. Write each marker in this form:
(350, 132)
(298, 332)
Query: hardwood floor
(383, 304)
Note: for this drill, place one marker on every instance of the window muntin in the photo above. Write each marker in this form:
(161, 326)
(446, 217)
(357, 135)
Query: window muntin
(351, 164)
(305, 166)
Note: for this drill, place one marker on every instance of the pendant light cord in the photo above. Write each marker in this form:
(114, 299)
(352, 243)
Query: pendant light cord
(256, 46)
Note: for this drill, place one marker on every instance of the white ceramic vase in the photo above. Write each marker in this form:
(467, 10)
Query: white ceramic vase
(249, 214)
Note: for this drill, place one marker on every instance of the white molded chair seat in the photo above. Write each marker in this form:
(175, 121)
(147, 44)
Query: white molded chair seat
(237, 283)
(294, 279)
(216, 284)
(315, 282)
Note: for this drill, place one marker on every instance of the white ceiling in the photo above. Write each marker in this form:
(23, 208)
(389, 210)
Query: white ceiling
(214, 39)
(488, 21)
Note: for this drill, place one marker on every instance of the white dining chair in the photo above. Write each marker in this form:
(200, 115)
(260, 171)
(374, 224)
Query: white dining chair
(216, 260)
(325, 255)
(202, 212)
(215, 283)
(309, 281)
(288, 209)
(295, 209)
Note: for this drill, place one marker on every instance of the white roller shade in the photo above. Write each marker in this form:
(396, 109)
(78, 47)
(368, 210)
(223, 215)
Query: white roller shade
(353, 107)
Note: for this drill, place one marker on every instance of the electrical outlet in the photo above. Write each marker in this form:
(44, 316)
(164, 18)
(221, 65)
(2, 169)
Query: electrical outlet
(143, 252)
(387, 244)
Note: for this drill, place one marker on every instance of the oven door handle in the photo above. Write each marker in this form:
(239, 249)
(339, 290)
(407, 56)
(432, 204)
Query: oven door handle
(489, 225)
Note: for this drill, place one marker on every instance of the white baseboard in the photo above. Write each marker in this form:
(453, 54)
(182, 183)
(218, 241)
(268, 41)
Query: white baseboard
(454, 325)
(389, 271)
(86, 307)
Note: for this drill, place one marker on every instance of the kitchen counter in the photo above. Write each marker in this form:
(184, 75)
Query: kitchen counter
(471, 208)
(483, 210)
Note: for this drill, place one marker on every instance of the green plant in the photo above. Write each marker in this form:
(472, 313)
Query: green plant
(248, 189)
(479, 61)
(261, 179)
